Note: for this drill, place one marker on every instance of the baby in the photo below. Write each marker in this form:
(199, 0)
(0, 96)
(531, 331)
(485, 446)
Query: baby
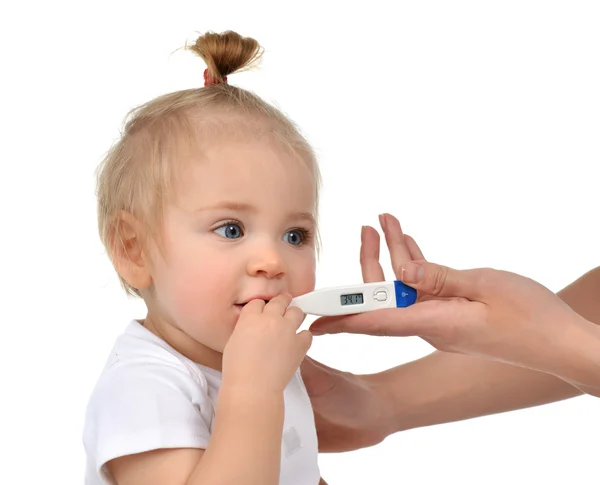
(207, 206)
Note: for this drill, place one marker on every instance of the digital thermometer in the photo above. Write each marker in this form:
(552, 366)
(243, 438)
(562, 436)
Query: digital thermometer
(345, 300)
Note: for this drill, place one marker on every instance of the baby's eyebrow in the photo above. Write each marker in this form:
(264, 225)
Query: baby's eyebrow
(243, 207)
(304, 216)
(235, 206)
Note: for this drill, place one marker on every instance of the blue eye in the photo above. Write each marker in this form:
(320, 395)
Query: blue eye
(296, 237)
(231, 230)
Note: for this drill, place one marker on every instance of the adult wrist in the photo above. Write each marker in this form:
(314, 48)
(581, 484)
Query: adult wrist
(384, 421)
(578, 358)
(399, 404)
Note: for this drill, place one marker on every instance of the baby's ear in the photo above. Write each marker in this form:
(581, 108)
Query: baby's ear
(128, 253)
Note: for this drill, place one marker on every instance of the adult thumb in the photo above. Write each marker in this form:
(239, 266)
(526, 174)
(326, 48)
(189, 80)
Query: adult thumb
(442, 281)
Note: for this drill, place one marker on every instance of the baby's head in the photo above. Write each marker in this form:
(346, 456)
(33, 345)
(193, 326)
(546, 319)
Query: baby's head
(209, 199)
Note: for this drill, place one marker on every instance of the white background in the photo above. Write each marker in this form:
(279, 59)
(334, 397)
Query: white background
(476, 123)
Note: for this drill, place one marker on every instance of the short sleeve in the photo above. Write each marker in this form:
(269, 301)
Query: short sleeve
(140, 407)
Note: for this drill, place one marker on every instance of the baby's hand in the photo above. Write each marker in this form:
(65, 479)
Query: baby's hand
(264, 349)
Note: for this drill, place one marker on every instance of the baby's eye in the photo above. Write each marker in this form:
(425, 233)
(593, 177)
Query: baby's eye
(296, 237)
(231, 230)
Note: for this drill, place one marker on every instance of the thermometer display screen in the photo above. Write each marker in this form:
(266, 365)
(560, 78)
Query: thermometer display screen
(353, 299)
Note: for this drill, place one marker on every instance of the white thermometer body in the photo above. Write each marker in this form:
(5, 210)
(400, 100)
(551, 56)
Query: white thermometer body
(345, 300)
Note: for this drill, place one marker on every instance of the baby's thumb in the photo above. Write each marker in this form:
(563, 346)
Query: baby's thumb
(436, 280)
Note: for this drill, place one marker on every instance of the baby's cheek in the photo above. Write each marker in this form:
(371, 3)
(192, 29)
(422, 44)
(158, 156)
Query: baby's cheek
(190, 295)
(200, 290)
(305, 282)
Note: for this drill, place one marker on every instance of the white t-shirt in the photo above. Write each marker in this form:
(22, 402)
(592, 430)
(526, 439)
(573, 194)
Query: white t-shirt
(149, 396)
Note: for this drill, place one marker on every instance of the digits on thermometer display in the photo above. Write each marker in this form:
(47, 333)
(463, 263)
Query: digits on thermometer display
(353, 299)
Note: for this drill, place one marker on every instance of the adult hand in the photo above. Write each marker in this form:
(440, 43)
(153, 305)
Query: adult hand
(482, 312)
(349, 409)
(356, 411)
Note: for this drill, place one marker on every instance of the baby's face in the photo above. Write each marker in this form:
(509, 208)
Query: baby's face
(240, 228)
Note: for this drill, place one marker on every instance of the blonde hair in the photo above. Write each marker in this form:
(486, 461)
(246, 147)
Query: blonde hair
(137, 173)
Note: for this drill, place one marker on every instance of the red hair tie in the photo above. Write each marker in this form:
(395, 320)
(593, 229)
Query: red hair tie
(208, 79)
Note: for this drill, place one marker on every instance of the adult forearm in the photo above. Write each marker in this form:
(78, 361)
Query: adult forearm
(444, 387)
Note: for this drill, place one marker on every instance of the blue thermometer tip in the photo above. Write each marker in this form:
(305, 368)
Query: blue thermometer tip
(405, 295)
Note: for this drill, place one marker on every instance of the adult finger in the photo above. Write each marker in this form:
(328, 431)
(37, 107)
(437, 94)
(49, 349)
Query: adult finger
(389, 322)
(369, 255)
(413, 248)
(394, 238)
(437, 280)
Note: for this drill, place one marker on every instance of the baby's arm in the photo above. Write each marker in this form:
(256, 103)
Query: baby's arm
(245, 444)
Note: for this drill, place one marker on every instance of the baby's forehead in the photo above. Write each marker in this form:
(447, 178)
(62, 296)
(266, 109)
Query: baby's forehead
(253, 171)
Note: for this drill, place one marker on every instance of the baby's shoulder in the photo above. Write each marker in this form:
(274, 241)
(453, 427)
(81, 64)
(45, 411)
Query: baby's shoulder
(142, 360)
(147, 397)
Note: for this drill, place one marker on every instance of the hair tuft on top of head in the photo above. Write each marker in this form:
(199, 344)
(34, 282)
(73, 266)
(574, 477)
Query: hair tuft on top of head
(226, 53)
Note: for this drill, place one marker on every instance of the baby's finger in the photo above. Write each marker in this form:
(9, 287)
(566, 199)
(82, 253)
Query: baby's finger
(295, 316)
(369, 255)
(278, 305)
(254, 306)
(304, 340)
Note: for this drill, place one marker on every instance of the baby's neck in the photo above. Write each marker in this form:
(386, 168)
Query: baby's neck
(184, 344)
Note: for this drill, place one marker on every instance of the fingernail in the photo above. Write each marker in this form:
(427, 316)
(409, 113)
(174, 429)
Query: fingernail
(382, 221)
(412, 272)
(315, 331)
(362, 233)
